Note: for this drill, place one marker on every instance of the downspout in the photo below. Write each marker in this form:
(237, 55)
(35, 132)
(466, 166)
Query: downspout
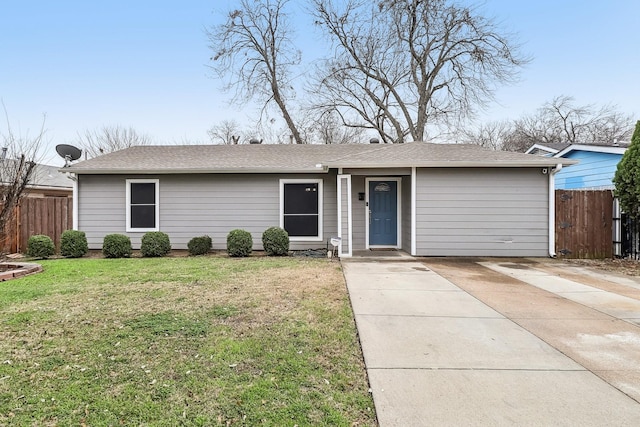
(75, 202)
(552, 209)
(339, 205)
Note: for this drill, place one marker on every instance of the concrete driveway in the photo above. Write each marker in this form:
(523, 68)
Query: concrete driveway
(497, 342)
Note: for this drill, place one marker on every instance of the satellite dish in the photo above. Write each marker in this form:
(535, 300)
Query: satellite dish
(68, 152)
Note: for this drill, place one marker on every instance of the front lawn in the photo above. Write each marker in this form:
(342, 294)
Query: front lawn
(181, 341)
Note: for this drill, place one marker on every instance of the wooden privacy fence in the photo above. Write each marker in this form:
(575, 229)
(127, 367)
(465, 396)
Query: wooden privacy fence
(50, 216)
(584, 223)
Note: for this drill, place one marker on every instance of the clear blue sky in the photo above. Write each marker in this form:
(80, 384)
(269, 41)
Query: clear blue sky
(142, 63)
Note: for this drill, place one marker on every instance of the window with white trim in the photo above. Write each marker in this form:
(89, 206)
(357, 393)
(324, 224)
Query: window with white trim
(143, 205)
(301, 208)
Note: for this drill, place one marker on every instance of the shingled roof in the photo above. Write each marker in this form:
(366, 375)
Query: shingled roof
(265, 158)
(44, 177)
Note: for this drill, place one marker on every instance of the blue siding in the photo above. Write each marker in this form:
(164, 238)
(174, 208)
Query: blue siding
(595, 170)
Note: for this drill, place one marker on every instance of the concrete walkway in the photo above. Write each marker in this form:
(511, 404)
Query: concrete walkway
(438, 355)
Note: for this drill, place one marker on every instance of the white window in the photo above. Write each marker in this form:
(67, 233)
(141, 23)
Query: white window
(143, 205)
(301, 208)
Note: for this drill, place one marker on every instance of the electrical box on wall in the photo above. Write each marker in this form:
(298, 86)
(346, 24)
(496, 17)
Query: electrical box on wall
(360, 196)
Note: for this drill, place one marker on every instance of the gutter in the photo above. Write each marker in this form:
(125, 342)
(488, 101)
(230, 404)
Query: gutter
(325, 167)
(80, 171)
(548, 162)
(552, 210)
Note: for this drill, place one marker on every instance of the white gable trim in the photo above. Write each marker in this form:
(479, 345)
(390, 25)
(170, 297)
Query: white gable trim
(591, 148)
(541, 147)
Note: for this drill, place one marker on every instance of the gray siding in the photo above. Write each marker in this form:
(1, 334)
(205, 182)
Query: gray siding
(193, 205)
(482, 212)
(406, 214)
(101, 207)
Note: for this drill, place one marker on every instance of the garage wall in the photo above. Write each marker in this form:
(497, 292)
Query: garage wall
(194, 205)
(482, 212)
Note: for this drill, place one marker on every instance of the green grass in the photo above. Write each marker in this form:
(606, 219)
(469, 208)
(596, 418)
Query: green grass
(195, 341)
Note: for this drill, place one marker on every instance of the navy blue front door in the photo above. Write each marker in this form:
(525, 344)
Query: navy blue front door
(383, 213)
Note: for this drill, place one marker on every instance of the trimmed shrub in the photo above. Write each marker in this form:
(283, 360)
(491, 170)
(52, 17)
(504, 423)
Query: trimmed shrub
(73, 244)
(155, 244)
(627, 177)
(200, 245)
(40, 246)
(239, 243)
(275, 241)
(116, 246)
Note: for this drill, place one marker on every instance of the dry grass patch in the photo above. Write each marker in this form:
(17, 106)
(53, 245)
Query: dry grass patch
(629, 267)
(181, 341)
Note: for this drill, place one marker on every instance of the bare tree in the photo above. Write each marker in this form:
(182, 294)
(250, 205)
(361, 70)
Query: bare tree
(494, 135)
(515, 141)
(226, 132)
(18, 161)
(562, 120)
(403, 66)
(110, 138)
(328, 129)
(255, 54)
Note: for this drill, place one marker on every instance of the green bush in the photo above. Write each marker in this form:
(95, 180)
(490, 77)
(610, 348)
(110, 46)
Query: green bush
(40, 246)
(199, 245)
(155, 244)
(239, 243)
(73, 244)
(275, 241)
(116, 246)
(627, 177)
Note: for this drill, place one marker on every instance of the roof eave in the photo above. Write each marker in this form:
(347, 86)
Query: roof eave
(190, 171)
(49, 187)
(538, 162)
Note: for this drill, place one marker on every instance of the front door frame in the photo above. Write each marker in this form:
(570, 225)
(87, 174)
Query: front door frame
(398, 180)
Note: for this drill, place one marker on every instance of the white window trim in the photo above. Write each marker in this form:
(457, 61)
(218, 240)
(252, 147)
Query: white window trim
(128, 204)
(414, 210)
(320, 235)
(349, 236)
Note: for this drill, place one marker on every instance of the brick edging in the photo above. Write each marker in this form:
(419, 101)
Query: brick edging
(19, 269)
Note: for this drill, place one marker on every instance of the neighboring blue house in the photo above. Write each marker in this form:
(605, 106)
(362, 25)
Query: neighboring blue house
(595, 170)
